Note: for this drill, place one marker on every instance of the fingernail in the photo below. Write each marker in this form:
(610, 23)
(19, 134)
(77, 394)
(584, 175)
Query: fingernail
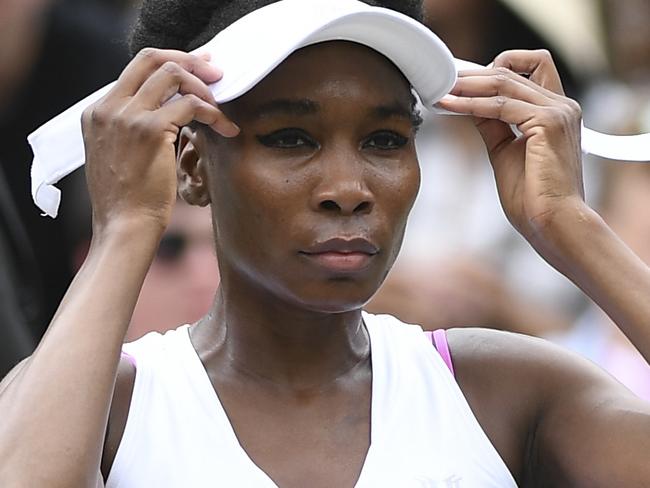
(235, 129)
(231, 130)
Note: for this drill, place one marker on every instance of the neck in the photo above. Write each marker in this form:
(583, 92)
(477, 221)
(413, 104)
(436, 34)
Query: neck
(268, 340)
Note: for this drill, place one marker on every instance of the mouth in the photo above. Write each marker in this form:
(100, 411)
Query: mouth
(342, 255)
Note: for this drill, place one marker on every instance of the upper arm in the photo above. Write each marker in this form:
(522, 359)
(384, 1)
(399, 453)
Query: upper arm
(593, 432)
(118, 415)
(556, 418)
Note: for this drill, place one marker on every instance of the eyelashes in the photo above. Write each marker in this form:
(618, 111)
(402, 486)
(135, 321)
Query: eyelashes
(296, 139)
(288, 139)
(386, 140)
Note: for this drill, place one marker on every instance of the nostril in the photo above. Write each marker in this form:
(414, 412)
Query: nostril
(330, 205)
(362, 207)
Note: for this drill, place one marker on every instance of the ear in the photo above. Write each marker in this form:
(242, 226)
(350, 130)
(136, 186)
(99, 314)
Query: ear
(191, 168)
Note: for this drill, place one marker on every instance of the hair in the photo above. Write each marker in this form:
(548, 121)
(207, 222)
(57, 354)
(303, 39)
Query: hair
(188, 24)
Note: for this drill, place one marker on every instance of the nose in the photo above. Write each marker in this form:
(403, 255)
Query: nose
(342, 187)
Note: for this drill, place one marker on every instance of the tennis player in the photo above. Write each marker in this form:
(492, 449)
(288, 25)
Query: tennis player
(309, 163)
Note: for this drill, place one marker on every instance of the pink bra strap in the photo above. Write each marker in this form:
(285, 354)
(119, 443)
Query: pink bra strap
(129, 358)
(439, 339)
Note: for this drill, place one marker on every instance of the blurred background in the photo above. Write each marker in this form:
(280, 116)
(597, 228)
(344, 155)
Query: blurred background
(462, 264)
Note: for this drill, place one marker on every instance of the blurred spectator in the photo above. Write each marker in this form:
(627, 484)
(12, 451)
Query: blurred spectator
(478, 30)
(462, 291)
(182, 280)
(628, 38)
(184, 276)
(51, 55)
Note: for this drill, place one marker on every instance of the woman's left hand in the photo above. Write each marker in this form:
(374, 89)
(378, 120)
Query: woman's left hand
(538, 174)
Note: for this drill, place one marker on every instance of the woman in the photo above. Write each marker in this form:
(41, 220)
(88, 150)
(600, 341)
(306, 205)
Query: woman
(285, 383)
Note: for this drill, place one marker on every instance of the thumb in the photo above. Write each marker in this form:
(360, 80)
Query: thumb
(498, 136)
(495, 134)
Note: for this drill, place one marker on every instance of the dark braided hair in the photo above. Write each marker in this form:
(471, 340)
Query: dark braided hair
(187, 24)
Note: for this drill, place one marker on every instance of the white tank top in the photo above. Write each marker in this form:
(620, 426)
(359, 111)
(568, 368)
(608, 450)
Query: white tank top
(423, 433)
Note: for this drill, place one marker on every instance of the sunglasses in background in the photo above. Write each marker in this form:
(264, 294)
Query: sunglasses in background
(174, 245)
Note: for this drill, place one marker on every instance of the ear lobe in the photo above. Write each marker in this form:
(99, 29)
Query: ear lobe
(190, 169)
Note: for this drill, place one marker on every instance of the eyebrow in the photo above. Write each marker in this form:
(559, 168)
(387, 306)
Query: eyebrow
(286, 106)
(392, 110)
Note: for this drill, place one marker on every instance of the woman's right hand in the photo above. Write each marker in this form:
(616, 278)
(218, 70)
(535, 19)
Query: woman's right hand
(129, 135)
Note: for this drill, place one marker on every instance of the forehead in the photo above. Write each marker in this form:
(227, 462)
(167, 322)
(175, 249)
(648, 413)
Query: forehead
(332, 70)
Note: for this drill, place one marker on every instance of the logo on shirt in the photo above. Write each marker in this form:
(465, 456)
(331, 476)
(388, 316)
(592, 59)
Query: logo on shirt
(453, 481)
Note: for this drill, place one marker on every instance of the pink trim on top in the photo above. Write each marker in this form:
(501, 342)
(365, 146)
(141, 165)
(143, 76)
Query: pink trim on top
(129, 358)
(439, 339)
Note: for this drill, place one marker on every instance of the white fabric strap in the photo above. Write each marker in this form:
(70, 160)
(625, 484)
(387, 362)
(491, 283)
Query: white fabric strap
(58, 148)
(622, 148)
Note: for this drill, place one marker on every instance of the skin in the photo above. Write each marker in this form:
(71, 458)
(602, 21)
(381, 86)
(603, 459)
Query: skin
(286, 333)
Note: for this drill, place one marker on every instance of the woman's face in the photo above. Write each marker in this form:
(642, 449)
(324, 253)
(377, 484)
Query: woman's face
(310, 201)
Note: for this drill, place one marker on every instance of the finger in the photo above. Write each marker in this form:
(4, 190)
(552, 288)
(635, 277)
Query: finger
(501, 82)
(498, 136)
(149, 60)
(537, 65)
(508, 110)
(170, 79)
(503, 71)
(190, 108)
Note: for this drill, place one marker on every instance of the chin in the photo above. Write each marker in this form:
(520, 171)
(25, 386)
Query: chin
(336, 307)
(340, 297)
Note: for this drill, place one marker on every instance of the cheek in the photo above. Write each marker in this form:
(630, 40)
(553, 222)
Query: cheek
(395, 201)
(397, 188)
(253, 206)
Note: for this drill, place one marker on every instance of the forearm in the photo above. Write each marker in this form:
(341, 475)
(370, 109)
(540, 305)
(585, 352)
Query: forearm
(54, 410)
(588, 252)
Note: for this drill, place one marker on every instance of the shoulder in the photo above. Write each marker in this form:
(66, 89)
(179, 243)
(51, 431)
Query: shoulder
(390, 324)
(521, 365)
(475, 348)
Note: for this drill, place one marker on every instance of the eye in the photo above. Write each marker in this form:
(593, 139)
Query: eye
(385, 140)
(288, 139)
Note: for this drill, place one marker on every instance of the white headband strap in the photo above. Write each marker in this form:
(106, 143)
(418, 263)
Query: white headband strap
(634, 148)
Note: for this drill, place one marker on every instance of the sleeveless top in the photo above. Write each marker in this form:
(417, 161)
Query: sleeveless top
(423, 432)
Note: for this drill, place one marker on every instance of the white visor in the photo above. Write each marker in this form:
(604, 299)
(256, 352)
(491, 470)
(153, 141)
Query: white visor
(249, 49)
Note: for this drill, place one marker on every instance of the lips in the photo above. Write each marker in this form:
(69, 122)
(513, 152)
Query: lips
(343, 246)
(342, 255)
